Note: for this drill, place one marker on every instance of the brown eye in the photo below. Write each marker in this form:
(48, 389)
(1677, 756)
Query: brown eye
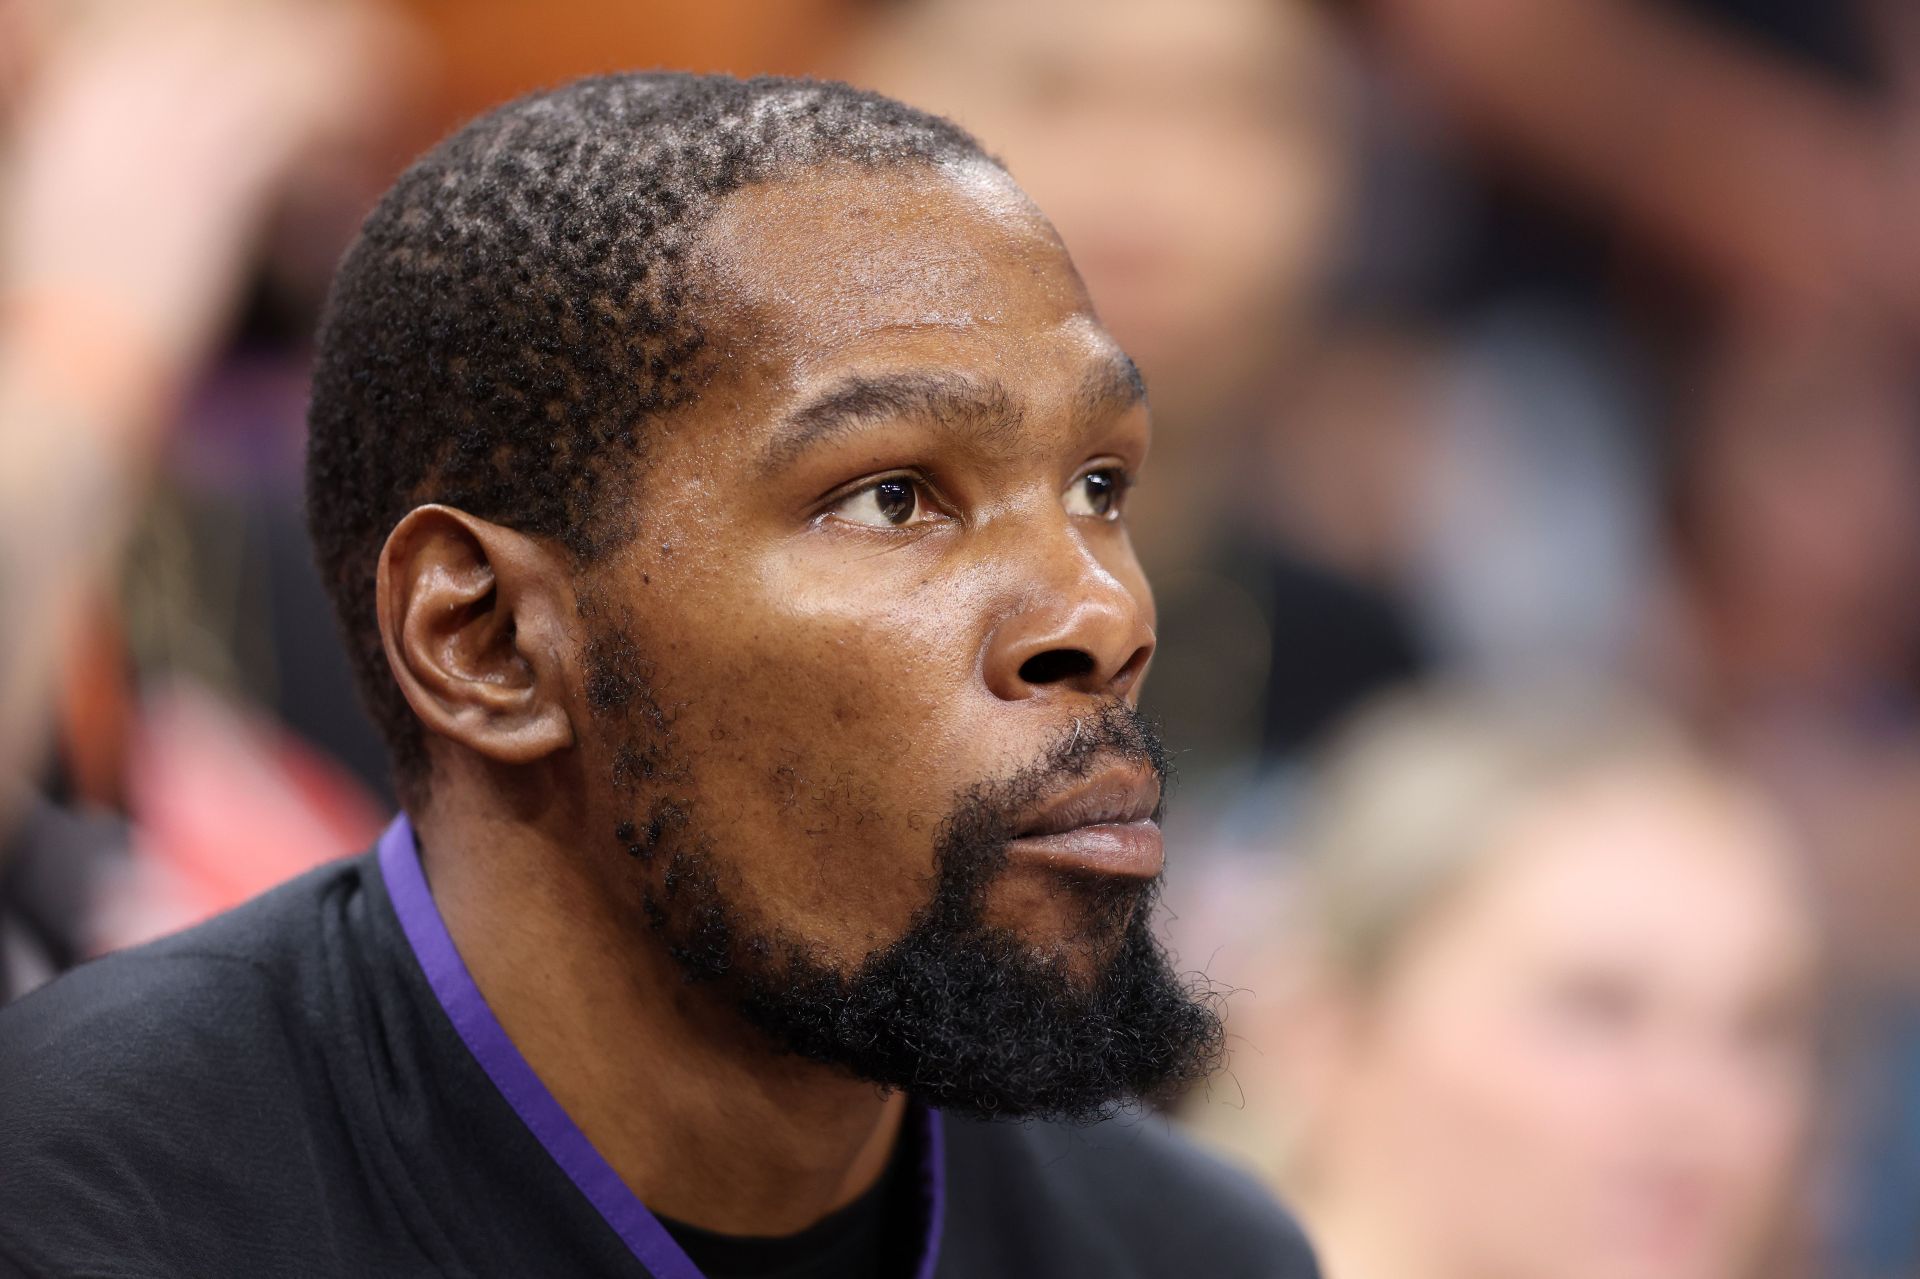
(888, 503)
(1097, 494)
(895, 500)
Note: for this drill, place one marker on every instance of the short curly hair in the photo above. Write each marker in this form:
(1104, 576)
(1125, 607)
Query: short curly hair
(519, 308)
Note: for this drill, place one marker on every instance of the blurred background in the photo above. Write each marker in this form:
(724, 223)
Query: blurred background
(1534, 516)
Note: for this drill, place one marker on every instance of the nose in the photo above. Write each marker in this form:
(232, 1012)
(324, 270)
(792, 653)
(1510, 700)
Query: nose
(1077, 627)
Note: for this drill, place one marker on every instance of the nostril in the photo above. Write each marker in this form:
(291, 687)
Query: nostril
(1056, 665)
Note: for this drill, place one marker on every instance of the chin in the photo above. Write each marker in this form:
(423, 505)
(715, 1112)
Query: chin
(1081, 921)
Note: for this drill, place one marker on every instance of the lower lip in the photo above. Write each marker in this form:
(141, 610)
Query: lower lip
(1111, 848)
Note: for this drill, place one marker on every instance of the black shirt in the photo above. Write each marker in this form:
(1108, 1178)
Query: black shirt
(284, 1091)
(51, 862)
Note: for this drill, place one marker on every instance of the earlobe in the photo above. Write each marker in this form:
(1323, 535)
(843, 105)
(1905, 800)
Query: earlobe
(472, 615)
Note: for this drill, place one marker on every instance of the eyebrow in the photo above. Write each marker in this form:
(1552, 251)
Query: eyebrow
(946, 399)
(1111, 386)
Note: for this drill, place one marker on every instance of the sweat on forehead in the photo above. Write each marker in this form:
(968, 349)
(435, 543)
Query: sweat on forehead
(516, 311)
(841, 248)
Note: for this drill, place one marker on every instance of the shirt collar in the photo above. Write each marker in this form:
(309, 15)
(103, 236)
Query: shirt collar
(453, 986)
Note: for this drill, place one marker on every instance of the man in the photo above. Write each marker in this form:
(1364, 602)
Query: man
(1196, 157)
(721, 485)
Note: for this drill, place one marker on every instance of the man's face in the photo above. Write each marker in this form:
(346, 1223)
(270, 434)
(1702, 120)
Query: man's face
(863, 675)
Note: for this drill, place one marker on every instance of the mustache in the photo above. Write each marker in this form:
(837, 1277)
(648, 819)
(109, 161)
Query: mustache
(985, 817)
(1116, 732)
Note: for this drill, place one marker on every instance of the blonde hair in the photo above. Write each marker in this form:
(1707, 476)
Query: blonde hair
(1409, 798)
(1405, 814)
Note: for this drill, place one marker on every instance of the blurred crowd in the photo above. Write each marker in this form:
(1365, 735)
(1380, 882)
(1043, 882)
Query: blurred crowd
(1533, 516)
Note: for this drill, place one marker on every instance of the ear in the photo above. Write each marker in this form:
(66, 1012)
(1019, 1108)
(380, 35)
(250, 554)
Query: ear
(473, 616)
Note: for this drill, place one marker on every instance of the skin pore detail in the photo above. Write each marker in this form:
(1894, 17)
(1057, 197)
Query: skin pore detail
(873, 606)
(745, 828)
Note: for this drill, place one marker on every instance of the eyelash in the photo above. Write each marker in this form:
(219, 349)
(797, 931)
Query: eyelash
(930, 495)
(926, 488)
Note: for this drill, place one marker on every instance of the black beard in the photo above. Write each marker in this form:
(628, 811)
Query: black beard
(957, 1013)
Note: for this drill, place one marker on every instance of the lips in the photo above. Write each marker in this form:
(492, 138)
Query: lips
(1102, 824)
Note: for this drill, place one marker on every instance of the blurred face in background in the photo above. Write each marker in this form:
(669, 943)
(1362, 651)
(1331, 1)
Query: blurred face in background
(1588, 1061)
(21, 32)
(1189, 151)
(1801, 509)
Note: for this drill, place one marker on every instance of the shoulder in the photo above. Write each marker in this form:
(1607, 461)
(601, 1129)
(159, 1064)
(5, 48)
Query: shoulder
(1134, 1187)
(164, 1006)
(171, 1071)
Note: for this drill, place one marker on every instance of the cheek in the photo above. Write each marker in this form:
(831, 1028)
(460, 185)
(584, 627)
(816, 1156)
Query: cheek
(1482, 1131)
(1747, 1134)
(1523, 1144)
(868, 675)
(822, 724)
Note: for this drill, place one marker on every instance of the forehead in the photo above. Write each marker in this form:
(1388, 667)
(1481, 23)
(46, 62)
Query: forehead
(1653, 865)
(843, 259)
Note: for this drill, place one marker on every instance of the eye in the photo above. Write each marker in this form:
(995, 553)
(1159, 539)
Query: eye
(1097, 493)
(892, 502)
(1595, 1004)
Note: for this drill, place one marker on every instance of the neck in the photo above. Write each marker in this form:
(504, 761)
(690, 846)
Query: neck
(704, 1122)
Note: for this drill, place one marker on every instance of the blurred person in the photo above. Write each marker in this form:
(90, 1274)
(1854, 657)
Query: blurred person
(1646, 194)
(146, 154)
(722, 488)
(1796, 522)
(1196, 155)
(1724, 190)
(1764, 147)
(1791, 631)
(493, 52)
(1197, 158)
(1546, 1005)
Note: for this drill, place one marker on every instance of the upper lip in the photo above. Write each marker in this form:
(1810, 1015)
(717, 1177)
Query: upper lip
(1115, 796)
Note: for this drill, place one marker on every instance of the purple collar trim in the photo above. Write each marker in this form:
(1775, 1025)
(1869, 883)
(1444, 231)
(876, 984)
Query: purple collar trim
(487, 1039)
